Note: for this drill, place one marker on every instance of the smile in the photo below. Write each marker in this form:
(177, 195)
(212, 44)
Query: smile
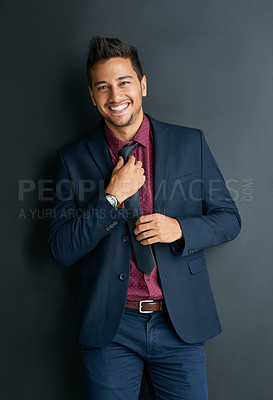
(120, 108)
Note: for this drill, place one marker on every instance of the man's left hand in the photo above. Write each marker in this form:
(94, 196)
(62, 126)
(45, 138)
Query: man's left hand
(155, 228)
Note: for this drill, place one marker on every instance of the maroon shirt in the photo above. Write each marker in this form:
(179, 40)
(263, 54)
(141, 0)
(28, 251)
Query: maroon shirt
(141, 286)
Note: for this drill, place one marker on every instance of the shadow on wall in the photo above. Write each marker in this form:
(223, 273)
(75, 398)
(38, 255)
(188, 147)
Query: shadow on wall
(78, 117)
(78, 113)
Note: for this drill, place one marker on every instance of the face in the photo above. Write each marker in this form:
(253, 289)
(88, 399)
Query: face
(117, 91)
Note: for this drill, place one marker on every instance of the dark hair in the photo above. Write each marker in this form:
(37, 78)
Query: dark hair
(104, 48)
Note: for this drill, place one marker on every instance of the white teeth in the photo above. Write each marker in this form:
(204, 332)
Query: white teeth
(119, 108)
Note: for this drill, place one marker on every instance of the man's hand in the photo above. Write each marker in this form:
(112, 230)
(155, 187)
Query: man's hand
(126, 178)
(157, 228)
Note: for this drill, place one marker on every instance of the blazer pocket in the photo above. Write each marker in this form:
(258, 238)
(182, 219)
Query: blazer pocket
(88, 272)
(190, 176)
(197, 265)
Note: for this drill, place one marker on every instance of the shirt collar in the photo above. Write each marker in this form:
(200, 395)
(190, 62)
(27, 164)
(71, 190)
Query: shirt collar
(142, 136)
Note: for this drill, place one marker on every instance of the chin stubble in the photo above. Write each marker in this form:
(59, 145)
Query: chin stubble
(121, 125)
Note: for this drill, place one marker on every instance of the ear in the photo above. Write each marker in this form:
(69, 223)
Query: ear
(143, 84)
(92, 96)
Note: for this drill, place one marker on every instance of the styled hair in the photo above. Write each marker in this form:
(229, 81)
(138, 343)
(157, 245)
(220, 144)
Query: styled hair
(104, 48)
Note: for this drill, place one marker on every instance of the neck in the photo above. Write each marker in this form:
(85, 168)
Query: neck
(128, 132)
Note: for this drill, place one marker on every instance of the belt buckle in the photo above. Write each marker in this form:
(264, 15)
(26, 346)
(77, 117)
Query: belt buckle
(140, 305)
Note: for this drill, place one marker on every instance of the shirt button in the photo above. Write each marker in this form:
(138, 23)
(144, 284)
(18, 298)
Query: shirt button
(148, 279)
(125, 238)
(122, 277)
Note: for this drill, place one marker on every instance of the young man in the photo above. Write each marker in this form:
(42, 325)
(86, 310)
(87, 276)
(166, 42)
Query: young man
(135, 204)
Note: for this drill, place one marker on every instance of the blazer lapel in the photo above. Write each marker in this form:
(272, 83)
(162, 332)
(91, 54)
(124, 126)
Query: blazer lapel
(162, 147)
(97, 146)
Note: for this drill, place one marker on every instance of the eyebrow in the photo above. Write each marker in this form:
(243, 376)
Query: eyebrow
(118, 79)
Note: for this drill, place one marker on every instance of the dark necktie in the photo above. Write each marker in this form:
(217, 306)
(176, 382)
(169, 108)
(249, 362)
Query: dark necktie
(144, 255)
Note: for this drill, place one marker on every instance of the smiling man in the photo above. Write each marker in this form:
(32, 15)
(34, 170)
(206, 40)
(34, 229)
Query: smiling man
(135, 204)
(118, 96)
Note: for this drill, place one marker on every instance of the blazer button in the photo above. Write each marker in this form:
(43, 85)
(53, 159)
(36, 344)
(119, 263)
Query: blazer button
(125, 238)
(122, 277)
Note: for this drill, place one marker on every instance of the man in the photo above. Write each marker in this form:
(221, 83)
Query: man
(135, 203)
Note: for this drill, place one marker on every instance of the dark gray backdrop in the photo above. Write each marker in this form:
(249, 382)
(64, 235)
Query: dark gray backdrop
(209, 65)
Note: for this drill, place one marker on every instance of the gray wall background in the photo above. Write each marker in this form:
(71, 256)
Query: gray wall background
(209, 65)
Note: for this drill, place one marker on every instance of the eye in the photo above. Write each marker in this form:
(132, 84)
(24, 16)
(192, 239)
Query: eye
(102, 87)
(124, 82)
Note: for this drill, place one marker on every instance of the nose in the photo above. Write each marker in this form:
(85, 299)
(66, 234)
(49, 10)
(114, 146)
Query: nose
(115, 95)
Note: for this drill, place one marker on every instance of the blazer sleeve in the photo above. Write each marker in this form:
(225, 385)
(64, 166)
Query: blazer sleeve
(74, 232)
(220, 220)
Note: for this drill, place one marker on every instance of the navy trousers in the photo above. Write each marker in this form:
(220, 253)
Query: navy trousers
(176, 370)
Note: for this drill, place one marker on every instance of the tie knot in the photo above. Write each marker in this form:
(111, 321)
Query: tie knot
(126, 151)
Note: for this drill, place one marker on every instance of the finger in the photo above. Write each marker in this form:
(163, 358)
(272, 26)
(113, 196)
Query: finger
(120, 162)
(131, 160)
(145, 218)
(139, 163)
(150, 240)
(143, 227)
(147, 234)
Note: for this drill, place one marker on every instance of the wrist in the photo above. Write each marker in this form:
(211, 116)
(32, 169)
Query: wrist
(114, 193)
(112, 199)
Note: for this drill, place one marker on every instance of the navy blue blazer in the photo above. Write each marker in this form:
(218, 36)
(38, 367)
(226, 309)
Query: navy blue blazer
(85, 228)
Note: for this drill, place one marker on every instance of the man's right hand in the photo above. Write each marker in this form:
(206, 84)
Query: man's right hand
(126, 179)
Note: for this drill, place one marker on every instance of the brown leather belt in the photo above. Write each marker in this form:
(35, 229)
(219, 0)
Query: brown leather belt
(146, 306)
